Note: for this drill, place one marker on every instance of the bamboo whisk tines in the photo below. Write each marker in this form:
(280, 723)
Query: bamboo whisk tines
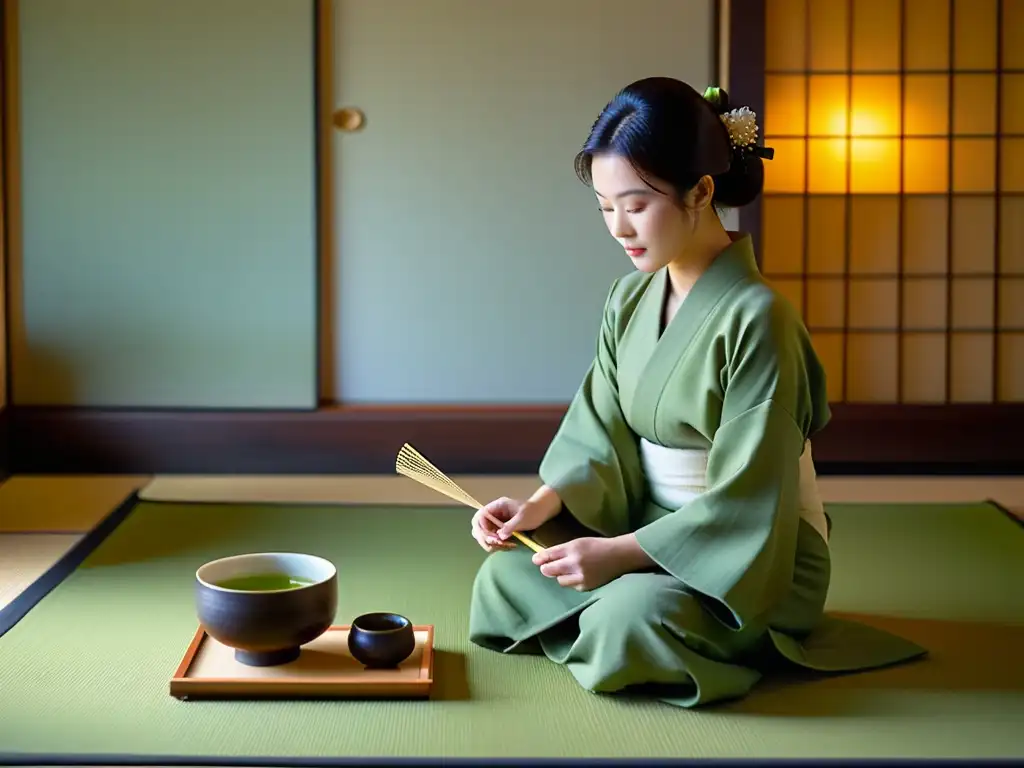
(412, 464)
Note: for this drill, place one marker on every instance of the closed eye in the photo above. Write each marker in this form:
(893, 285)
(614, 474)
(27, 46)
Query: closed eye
(628, 210)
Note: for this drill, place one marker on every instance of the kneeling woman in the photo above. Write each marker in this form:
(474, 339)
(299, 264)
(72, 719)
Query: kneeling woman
(684, 460)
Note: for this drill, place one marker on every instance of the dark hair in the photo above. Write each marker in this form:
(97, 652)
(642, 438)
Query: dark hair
(667, 130)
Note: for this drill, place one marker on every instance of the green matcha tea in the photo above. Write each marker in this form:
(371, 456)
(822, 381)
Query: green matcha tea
(264, 582)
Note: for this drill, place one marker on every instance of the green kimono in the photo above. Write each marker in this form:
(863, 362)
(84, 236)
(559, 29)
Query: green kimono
(740, 578)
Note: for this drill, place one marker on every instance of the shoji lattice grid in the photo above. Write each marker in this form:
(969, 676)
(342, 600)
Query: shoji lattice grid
(894, 208)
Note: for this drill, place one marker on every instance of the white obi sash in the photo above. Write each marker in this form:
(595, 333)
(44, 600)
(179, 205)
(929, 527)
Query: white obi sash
(678, 475)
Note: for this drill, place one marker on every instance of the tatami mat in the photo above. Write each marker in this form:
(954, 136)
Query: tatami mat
(24, 557)
(61, 503)
(42, 517)
(926, 572)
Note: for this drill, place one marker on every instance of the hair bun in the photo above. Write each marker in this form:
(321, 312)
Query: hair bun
(741, 184)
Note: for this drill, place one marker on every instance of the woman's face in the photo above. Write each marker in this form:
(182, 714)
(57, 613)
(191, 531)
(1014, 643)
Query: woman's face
(651, 226)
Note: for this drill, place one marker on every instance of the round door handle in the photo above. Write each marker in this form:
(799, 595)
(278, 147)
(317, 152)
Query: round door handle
(349, 119)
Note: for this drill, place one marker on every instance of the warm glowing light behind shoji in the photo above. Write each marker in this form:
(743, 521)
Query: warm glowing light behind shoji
(894, 208)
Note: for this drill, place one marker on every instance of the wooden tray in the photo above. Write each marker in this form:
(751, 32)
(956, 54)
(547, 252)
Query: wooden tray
(325, 669)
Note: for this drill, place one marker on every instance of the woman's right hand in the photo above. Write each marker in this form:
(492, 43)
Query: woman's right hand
(514, 515)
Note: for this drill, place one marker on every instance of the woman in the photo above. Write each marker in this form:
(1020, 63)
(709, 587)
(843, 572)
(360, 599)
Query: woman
(701, 554)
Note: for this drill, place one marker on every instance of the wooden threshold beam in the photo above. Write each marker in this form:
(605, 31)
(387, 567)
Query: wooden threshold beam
(861, 439)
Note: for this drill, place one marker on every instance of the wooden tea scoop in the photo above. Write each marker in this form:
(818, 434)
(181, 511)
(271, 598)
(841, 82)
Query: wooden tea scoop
(413, 465)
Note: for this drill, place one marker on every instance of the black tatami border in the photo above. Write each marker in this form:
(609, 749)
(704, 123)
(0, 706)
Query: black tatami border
(1013, 518)
(15, 759)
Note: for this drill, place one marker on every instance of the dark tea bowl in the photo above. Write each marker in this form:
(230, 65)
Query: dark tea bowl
(381, 640)
(267, 605)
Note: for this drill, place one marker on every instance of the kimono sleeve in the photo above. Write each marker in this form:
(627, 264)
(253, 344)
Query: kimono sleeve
(735, 544)
(593, 461)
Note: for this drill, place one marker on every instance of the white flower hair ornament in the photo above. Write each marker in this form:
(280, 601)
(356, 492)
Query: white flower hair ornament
(741, 123)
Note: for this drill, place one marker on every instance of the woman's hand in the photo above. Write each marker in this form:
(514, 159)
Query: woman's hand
(485, 530)
(514, 515)
(590, 562)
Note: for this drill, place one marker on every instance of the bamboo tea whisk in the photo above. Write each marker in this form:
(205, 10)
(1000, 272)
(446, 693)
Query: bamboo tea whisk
(412, 464)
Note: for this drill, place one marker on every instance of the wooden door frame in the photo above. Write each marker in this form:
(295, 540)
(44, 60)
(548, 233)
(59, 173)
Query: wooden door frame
(496, 439)
(10, 211)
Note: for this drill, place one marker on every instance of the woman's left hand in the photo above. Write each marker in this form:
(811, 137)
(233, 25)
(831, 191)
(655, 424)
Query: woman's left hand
(582, 564)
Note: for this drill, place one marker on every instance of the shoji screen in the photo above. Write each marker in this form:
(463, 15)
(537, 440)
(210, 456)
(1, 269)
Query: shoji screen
(894, 210)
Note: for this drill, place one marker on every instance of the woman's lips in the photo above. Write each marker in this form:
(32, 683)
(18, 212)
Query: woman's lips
(636, 252)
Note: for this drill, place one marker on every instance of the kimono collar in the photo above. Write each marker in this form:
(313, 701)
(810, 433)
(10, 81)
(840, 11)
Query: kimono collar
(737, 260)
(734, 263)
